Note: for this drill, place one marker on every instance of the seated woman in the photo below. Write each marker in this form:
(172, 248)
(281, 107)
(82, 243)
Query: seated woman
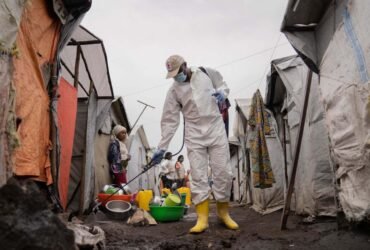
(118, 155)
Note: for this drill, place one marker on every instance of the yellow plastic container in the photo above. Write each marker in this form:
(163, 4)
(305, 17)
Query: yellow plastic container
(143, 199)
(166, 191)
(185, 190)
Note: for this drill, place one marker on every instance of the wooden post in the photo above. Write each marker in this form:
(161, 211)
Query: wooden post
(286, 210)
(285, 155)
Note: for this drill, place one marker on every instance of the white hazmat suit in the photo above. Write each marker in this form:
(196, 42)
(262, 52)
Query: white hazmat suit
(205, 135)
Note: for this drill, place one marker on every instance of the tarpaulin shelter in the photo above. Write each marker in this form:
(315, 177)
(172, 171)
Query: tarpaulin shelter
(263, 200)
(238, 167)
(285, 92)
(85, 68)
(240, 139)
(32, 34)
(332, 37)
(138, 147)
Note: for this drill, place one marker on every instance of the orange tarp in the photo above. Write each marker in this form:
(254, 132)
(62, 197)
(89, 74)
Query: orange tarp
(37, 40)
(67, 110)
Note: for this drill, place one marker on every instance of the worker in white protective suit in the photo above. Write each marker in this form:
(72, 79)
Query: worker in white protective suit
(195, 93)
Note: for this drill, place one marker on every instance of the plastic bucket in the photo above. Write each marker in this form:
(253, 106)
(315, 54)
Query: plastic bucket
(172, 200)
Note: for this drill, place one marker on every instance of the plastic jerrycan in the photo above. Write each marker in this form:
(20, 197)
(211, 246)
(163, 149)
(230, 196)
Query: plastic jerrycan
(143, 199)
(185, 190)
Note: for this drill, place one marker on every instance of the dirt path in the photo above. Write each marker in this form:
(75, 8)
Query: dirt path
(256, 232)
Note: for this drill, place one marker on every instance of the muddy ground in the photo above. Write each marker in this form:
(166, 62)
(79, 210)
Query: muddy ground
(26, 222)
(256, 232)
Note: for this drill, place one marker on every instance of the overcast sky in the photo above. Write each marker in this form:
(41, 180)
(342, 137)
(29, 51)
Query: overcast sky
(237, 37)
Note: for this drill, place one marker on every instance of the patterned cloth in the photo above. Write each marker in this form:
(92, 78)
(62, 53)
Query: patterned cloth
(114, 157)
(261, 166)
(116, 163)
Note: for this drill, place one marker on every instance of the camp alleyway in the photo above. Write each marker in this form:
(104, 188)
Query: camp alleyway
(299, 154)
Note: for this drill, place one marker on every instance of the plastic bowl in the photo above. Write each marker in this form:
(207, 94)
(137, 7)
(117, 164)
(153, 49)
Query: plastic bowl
(164, 214)
(103, 198)
(118, 210)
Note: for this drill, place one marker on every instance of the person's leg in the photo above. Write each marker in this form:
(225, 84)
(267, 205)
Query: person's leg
(165, 181)
(168, 183)
(198, 158)
(182, 183)
(124, 176)
(161, 186)
(219, 161)
(222, 180)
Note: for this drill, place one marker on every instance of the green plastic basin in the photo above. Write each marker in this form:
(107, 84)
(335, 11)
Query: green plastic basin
(163, 214)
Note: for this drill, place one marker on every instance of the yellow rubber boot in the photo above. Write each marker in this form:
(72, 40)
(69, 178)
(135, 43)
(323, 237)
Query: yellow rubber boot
(202, 222)
(223, 215)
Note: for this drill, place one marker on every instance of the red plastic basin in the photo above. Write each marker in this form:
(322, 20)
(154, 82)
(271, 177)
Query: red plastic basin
(103, 198)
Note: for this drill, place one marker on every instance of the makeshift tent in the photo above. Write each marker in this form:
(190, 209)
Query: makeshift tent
(314, 181)
(138, 147)
(269, 199)
(332, 38)
(240, 127)
(236, 162)
(32, 35)
(84, 66)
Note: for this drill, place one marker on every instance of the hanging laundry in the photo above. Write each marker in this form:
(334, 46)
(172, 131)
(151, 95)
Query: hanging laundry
(260, 161)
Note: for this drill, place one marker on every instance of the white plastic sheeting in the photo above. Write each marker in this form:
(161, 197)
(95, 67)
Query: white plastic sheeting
(240, 134)
(314, 182)
(10, 15)
(236, 162)
(10, 18)
(137, 146)
(342, 33)
(96, 65)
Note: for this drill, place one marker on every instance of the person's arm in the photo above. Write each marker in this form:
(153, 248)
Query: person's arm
(126, 156)
(114, 154)
(170, 119)
(218, 82)
(177, 165)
